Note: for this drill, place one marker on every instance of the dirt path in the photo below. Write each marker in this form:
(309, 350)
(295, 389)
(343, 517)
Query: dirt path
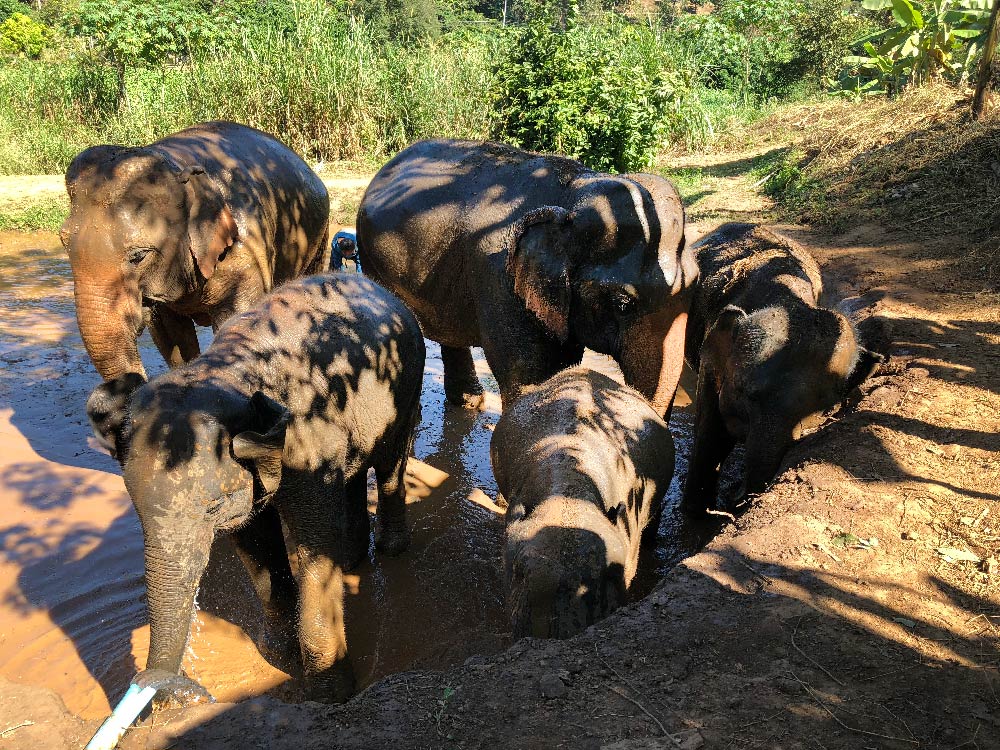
(855, 605)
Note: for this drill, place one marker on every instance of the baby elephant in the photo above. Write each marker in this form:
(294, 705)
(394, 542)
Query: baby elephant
(767, 356)
(279, 420)
(583, 463)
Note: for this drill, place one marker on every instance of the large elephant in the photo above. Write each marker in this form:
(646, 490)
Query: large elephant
(190, 229)
(583, 463)
(533, 257)
(279, 420)
(767, 355)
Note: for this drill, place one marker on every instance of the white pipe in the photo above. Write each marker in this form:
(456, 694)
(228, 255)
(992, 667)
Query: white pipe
(128, 709)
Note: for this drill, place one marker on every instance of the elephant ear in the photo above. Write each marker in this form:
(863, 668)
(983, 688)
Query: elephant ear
(107, 410)
(211, 225)
(867, 362)
(719, 340)
(263, 445)
(90, 166)
(538, 263)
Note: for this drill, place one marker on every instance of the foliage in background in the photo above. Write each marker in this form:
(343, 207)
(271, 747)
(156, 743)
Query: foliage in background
(360, 79)
(22, 35)
(398, 21)
(604, 93)
(764, 49)
(134, 33)
(926, 41)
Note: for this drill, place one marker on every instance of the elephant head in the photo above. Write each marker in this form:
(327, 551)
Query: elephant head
(611, 273)
(195, 461)
(774, 368)
(141, 229)
(564, 568)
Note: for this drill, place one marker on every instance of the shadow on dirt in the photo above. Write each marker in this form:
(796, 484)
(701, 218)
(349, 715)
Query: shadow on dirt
(834, 662)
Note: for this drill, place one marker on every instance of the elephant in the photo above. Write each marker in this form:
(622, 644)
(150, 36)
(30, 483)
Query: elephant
(193, 228)
(583, 463)
(767, 355)
(277, 421)
(533, 257)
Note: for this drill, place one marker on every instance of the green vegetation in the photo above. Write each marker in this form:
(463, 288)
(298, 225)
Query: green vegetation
(924, 41)
(28, 215)
(359, 79)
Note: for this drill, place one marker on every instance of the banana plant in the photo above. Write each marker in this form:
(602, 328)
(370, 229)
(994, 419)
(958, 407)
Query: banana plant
(927, 40)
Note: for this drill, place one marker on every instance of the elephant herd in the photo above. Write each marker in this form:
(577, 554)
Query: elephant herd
(313, 378)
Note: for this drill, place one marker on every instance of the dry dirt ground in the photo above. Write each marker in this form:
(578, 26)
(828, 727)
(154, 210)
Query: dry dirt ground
(856, 604)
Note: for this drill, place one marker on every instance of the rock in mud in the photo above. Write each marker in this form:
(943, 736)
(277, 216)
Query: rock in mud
(552, 686)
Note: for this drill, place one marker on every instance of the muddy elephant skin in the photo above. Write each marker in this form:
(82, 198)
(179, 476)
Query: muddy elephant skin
(767, 355)
(533, 257)
(583, 463)
(191, 229)
(279, 420)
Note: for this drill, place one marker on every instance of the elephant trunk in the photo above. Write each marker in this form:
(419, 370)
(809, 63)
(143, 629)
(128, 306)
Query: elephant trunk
(766, 445)
(109, 313)
(175, 561)
(652, 356)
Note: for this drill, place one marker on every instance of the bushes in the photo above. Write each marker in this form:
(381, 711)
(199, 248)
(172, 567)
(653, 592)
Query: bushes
(604, 93)
(320, 84)
(21, 35)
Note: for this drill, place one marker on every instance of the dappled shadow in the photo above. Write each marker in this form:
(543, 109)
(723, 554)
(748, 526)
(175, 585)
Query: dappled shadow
(584, 465)
(768, 356)
(253, 215)
(734, 650)
(324, 376)
(440, 226)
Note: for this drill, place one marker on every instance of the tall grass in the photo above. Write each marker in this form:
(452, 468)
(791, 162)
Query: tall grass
(325, 89)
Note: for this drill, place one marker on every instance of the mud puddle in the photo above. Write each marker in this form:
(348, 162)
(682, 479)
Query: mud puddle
(72, 610)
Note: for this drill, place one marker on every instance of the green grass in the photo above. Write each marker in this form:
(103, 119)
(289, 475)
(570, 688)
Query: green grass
(689, 181)
(326, 90)
(46, 213)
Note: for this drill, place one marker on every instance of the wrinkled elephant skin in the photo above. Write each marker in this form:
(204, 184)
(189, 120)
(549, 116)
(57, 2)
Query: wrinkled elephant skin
(193, 228)
(583, 463)
(767, 355)
(278, 421)
(533, 257)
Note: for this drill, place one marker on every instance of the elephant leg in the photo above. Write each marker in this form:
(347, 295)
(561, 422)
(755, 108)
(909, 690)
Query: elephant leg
(174, 335)
(392, 535)
(260, 545)
(357, 522)
(529, 360)
(461, 384)
(328, 673)
(712, 443)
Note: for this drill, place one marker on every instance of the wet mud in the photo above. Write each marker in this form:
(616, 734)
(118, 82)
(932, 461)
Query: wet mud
(72, 609)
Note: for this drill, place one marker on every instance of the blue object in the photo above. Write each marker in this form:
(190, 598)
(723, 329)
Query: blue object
(344, 246)
(128, 709)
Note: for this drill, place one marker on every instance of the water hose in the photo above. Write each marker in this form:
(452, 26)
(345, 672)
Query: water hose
(144, 686)
(128, 709)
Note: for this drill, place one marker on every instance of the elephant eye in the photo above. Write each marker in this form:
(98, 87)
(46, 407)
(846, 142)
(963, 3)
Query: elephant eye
(135, 255)
(625, 302)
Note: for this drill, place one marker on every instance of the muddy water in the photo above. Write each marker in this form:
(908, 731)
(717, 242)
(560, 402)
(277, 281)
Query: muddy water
(72, 610)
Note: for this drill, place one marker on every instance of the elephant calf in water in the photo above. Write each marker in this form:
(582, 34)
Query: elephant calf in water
(279, 420)
(767, 356)
(583, 463)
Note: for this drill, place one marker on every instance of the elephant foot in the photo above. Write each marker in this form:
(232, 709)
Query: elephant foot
(473, 400)
(391, 537)
(278, 642)
(172, 690)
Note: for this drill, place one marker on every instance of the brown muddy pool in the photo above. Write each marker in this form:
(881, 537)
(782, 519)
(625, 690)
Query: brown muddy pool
(72, 609)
